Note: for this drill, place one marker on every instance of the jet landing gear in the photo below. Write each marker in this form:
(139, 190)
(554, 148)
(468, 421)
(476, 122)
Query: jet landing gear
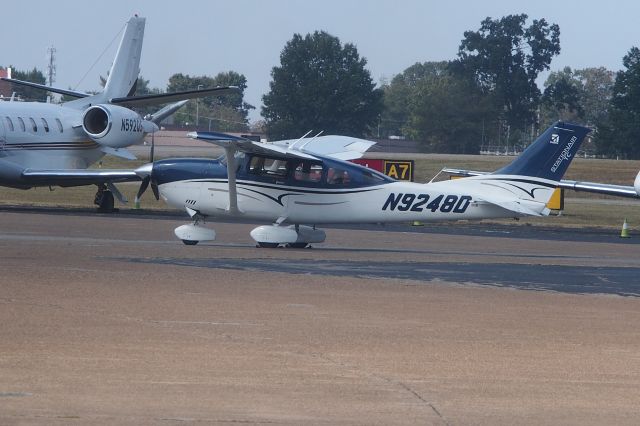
(104, 199)
(294, 236)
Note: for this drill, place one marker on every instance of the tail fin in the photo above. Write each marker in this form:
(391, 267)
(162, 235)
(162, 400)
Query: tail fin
(126, 66)
(548, 156)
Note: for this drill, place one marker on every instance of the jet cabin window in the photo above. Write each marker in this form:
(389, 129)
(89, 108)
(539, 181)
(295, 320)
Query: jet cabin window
(45, 124)
(34, 126)
(21, 122)
(9, 123)
(59, 123)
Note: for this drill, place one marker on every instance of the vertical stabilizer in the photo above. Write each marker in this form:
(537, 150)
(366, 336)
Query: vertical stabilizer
(126, 66)
(548, 156)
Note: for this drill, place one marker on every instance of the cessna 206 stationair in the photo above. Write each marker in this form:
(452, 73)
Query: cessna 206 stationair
(297, 185)
(43, 144)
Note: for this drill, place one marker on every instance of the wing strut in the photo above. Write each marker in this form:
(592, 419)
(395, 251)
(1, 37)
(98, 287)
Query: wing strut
(231, 174)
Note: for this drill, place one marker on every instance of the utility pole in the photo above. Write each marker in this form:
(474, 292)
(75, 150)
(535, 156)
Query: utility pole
(51, 67)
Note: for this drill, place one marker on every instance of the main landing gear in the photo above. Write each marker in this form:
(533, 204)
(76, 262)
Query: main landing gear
(104, 199)
(266, 236)
(294, 236)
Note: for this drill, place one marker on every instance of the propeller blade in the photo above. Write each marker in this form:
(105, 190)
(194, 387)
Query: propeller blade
(153, 147)
(143, 187)
(154, 188)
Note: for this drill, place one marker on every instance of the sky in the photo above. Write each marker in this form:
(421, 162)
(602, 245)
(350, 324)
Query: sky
(247, 36)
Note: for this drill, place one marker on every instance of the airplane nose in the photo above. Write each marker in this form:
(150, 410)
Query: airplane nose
(144, 170)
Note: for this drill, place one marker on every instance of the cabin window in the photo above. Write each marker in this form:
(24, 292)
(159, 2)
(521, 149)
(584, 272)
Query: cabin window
(338, 176)
(264, 166)
(34, 126)
(59, 123)
(306, 171)
(21, 122)
(45, 125)
(9, 123)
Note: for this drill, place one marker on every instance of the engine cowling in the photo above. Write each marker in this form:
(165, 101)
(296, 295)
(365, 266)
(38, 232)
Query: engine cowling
(115, 126)
(636, 184)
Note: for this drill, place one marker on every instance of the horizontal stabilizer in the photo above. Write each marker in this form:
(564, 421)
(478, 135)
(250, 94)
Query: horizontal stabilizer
(163, 98)
(47, 88)
(165, 112)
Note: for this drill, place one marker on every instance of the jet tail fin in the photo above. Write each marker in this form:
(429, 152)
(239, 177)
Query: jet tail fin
(126, 65)
(549, 156)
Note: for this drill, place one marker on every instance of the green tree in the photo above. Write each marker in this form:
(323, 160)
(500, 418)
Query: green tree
(504, 58)
(449, 114)
(561, 99)
(320, 85)
(396, 95)
(227, 113)
(29, 93)
(619, 133)
(596, 89)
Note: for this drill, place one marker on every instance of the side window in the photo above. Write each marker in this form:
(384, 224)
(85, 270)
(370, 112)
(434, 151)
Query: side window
(306, 171)
(21, 123)
(271, 167)
(337, 176)
(10, 124)
(33, 124)
(45, 125)
(59, 123)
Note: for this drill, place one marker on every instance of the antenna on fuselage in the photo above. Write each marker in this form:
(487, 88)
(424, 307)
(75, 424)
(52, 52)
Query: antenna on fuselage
(293, 145)
(310, 140)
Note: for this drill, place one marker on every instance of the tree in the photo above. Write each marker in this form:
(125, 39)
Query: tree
(320, 85)
(396, 95)
(225, 113)
(29, 93)
(561, 99)
(448, 114)
(619, 134)
(504, 59)
(596, 91)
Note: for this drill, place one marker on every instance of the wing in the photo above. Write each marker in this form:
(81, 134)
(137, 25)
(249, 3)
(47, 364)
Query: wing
(77, 177)
(595, 187)
(163, 98)
(237, 143)
(339, 147)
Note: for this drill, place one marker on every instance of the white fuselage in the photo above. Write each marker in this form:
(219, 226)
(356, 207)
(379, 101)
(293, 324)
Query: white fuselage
(45, 136)
(387, 202)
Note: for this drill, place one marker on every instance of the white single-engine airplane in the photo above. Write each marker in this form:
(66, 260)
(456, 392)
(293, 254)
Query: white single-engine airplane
(44, 144)
(299, 184)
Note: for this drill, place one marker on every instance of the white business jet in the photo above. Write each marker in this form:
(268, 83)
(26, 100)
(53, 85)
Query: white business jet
(299, 184)
(44, 144)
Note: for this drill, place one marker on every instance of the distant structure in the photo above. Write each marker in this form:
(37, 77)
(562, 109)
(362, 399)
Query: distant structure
(5, 87)
(51, 66)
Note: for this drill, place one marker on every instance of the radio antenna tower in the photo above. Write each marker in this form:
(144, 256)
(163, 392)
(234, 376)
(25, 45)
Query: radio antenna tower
(51, 67)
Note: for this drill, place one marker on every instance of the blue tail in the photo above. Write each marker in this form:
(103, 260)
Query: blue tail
(548, 156)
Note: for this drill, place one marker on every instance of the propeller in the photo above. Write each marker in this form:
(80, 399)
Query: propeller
(145, 173)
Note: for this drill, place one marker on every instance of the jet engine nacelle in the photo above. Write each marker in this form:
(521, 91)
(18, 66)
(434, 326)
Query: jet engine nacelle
(636, 184)
(115, 126)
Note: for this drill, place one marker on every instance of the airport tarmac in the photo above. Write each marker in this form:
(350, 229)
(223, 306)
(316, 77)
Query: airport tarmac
(111, 320)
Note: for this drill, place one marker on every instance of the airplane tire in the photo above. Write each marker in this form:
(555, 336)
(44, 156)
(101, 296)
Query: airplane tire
(267, 245)
(105, 202)
(297, 245)
(190, 242)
